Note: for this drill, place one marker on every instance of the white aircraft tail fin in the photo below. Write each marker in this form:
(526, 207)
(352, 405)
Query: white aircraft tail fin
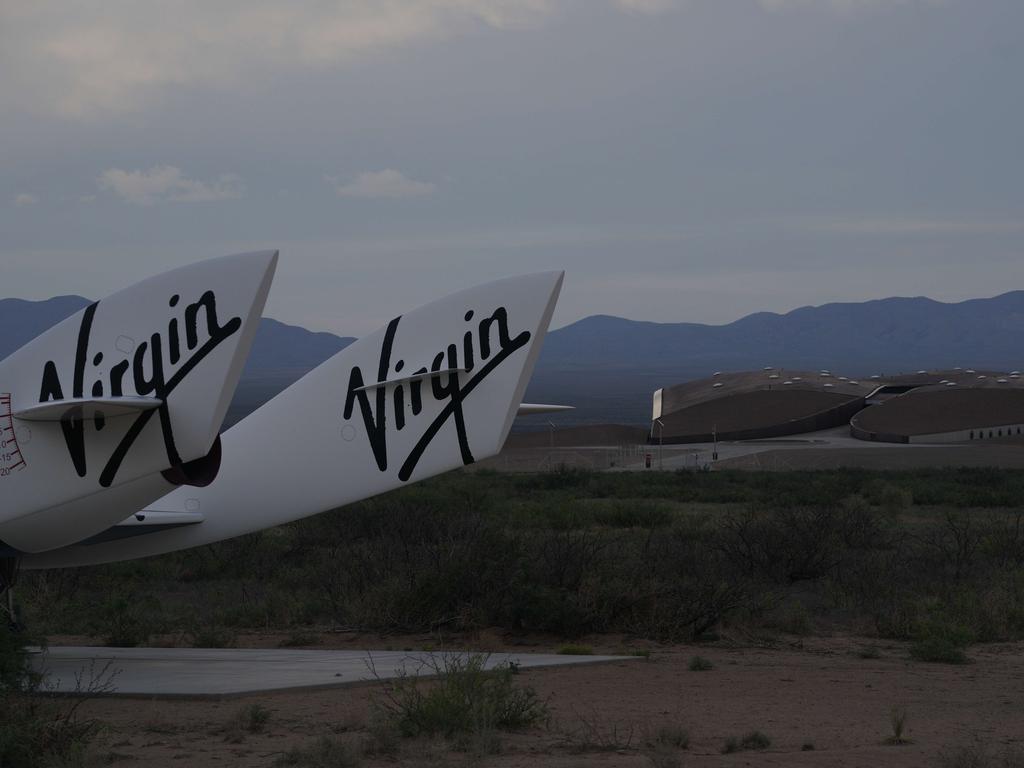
(128, 387)
(435, 389)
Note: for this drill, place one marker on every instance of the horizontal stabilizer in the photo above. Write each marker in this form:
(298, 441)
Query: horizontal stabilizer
(412, 377)
(150, 518)
(530, 409)
(144, 523)
(88, 408)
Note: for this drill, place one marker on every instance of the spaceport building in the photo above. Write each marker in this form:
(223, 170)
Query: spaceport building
(957, 405)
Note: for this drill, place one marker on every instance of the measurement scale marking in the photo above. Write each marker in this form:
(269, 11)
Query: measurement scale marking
(11, 450)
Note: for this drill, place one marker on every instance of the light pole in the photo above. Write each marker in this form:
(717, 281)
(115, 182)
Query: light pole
(714, 436)
(661, 442)
(552, 425)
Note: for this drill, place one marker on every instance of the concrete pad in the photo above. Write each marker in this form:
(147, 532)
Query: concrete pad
(226, 672)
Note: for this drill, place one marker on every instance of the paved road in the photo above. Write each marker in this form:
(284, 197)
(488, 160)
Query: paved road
(223, 672)
(701, 454)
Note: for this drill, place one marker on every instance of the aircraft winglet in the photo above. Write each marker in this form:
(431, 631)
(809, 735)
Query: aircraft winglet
(412, 377)
(88, 408)
(529, 409)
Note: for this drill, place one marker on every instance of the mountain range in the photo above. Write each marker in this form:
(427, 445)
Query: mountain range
(608, 366)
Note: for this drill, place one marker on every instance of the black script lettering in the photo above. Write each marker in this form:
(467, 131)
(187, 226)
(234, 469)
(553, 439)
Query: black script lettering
(373, 418)
(147, 374)
(445, 387)
(73, 426)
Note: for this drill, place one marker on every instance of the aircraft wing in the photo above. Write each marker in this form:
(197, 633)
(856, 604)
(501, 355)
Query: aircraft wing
(435, 389)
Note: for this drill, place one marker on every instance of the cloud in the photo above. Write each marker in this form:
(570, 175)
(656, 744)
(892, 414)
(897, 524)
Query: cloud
(95, 56)
(91, 58)
(646, 6)
(25, 199)
(659, 6)
(386, 183)
(907, 226)
(165, 182)
(840, 5)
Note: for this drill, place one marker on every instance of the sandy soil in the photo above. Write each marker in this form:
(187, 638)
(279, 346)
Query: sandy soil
(811, 692)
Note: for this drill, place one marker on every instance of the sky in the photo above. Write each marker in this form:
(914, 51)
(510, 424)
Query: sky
(682, 160)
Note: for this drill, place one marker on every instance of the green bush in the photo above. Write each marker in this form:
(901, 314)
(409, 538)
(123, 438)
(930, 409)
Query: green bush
(125, 620)
(755, 740)
(673, 736)
(35, 729)
(976, 752)
(700, 664)
(16, 672)
(324, 753)
(938, 649)
(213, 636)
(253, 718)
(634, 514)
(575, 650)
(299, 638)
(894, 499)
(898, 724)
(939, 640)
(664, 757)
(661, 556)
(465, 697)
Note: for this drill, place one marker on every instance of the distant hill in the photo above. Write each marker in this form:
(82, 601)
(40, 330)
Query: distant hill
(608, 366)
(280, 347)
(858, 337)
(277, 347)
(22, 320)
(611, 365)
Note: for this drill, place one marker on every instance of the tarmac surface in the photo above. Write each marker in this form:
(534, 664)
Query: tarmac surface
(826, 449)
(226, 672)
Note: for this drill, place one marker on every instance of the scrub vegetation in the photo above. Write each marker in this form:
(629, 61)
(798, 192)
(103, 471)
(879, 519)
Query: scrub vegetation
(462, 696)
(933, 557)
(37, 729)
(755, 740)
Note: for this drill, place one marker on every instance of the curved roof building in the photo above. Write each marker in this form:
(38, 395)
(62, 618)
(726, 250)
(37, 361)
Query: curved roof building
(963, 405)
(750, 405)
(956, 405)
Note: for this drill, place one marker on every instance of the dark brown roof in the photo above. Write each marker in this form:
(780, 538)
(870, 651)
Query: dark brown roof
(964, 377)
(745, 411)
(933, 411)
(691, 393)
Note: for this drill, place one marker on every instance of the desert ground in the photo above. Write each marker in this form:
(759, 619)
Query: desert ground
(818, 700)
(832, 618)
